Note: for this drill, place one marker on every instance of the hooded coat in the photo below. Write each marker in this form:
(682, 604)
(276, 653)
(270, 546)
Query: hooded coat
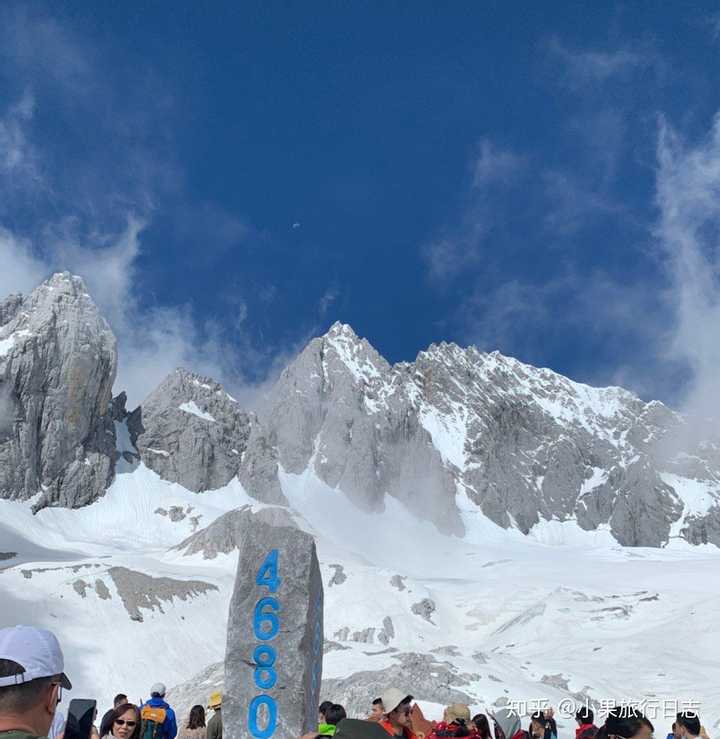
(509, 723)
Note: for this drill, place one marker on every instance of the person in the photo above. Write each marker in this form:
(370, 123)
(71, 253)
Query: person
(507, 724)
(321, 711)
(377, 710)
(158, 718)
(419, 725)
(687, 725)
(673, 734)
(542, 726)
(397, 713)
(623, 722)
(32, 678)
(334, 714)
(456, 718)
(215, 726)
(585, 719)
(124, 722)
(481, 726)
(105, 723)
(195, 727)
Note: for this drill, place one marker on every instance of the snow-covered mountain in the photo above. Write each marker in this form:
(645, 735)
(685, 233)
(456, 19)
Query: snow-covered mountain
(473, 516)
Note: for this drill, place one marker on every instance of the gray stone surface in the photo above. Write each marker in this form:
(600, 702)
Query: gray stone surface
(387, 633)
(102, 590)
(228, 532)
(57, 367)
(524, 444)
(428, 678)
(339, 576)
(139, 591)
(424, 608)
(80, 586)
(425, 676)
(397, 581)
(190, 431)
(197, 690)
(339, 407)
(298, 644)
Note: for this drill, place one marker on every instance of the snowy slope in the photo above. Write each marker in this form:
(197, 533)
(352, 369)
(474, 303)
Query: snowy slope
(558, 613)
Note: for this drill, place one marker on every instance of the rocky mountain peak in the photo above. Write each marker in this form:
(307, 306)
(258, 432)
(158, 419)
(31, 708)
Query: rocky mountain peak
(190, 430)
(58, 360)
(455, 431)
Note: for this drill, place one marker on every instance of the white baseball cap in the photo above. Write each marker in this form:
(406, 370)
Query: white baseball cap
(158, 689)
(36, 650)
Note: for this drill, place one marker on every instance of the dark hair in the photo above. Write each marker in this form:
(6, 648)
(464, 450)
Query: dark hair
(585, 715)
(118, 712)
(482, 726)
(625, 721)
(335, 714)
(196, 720)
(119, 699)
(547, 721)
(23, 696)
(462, 729)
(322, 708)
(690, 720)
(377, 702)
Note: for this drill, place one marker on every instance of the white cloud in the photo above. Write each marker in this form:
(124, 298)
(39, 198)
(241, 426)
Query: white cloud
(21, 269)
(573, 203)
(93, 209)
(39, 46)
(326, 301)
(494, 166)
(581, 67)
(531, 320)
(152, 341)
(688, 198)
(19, 166)
(493, 171)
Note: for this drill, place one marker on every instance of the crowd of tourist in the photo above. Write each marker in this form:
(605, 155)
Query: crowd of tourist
(32, 678)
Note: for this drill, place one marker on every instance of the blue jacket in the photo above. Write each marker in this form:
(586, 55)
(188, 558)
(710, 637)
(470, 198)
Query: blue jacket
(168, 728)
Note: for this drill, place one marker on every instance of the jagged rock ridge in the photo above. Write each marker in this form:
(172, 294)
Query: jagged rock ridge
(455, 430)
(459, 427)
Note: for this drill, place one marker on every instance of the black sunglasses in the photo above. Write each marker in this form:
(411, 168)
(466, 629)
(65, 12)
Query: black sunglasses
(123, 722)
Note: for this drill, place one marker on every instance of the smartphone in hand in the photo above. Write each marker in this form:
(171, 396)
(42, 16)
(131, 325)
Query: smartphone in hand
(80, 718)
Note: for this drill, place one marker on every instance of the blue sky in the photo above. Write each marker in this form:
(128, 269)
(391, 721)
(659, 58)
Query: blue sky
(232, 178)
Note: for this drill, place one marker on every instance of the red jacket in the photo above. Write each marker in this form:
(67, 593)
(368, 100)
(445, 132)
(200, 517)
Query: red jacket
(444, 729)
(586, 731)
(390, 730)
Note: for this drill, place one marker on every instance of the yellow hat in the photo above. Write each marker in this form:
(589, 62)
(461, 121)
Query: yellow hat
(215, 700)
(457, 711)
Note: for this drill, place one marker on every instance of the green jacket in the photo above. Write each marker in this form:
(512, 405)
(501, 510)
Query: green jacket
(327, 729)
(18, 734)
(214, 727)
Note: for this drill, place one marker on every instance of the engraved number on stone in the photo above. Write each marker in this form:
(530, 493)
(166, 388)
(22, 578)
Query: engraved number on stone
(266, 614)
(271, 708)
(267, 575)
(265, 675)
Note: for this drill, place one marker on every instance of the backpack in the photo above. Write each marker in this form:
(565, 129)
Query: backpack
(152, 719)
